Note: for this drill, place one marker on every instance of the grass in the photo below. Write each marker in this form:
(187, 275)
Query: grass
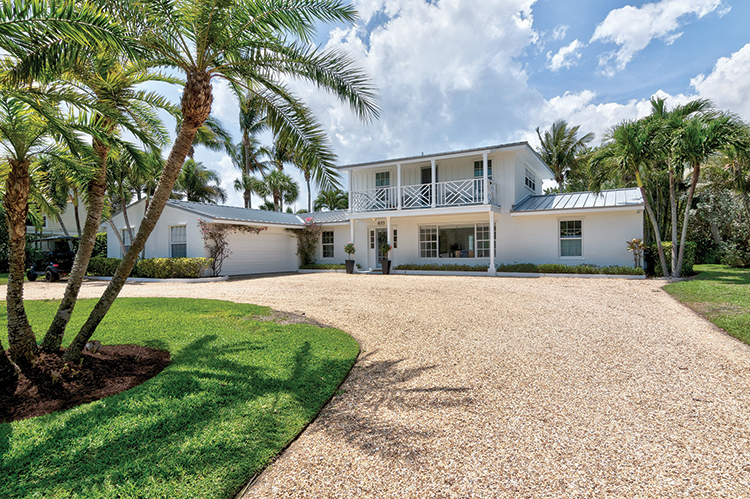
(721, 294)
(237, 392)
(4, 279)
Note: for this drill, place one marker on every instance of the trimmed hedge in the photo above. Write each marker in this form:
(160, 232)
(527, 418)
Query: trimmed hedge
(324, 266)
(454, 267)
(155, 268)
(558, 268)
(171, 268)
(653, 266)
(103, 266)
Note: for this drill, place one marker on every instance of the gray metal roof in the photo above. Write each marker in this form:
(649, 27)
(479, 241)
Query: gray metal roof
(581, 200)
(239, 214)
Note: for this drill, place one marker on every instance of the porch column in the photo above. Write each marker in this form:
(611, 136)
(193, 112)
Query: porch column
(351, 237)
(350, 199)
(492, 270)
(486, 177)
(398, 183)
(432, 187)
(388, 230)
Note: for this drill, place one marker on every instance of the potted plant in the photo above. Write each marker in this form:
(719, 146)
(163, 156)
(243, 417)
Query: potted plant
(385, 263)
(349, 249)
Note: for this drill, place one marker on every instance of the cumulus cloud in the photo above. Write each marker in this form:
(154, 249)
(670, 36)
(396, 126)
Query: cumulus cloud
(559, 32)
(566, 57)
(633, 28)
(728, 85)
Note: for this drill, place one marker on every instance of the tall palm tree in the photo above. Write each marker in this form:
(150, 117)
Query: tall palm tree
(282, 188)
(251, 45)
(194, 182)
(248, 186)
(331, 199)
(561, 148)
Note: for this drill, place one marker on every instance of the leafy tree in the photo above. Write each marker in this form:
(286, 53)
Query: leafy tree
(562, 150)
(195, 183)
(331, 199)
(248, 44)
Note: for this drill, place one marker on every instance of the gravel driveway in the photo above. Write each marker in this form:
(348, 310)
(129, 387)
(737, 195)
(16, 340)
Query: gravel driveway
(492, 387)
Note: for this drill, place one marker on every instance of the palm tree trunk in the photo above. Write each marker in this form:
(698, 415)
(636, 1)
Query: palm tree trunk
(8, 374)
(75, 213)
(309, 196)
(248, 199)
(654, 223)
(117, 233)
(125, 215)
(673, 206)
(685, 220)
(196, 107)
(97, 188)
(21, 339)
(62, 224)
(714, 227)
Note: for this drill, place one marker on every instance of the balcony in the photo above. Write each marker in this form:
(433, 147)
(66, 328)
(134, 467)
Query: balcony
(454, 193)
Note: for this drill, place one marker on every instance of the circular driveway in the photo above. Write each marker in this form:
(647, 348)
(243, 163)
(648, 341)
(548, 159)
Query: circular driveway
(498, 387)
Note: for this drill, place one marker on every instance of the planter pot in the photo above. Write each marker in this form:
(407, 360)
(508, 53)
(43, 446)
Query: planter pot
(349, 266)
(386, 266)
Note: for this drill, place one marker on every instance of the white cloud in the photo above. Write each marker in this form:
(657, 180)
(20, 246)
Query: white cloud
(559, 32)
(566, 57)
(728, 85)
(633, 28)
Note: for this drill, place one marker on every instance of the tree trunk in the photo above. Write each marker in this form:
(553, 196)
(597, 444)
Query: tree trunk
(117, 233)
(8, 375)
(309, 196)
(125, 216)
(657, 232)
(196, 107)
(713, 226)
(21, 339)
(97, 188)
(248, 199)
(62, 224)
(685, 220)
(673, 207)
(75, 213)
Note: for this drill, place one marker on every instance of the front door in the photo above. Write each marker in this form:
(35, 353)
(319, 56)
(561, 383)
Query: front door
(377, 238)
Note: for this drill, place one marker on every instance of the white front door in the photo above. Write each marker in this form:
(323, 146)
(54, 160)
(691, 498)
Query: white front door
(374, 255)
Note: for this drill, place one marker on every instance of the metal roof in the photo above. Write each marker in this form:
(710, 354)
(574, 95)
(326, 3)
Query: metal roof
(581, 200)
(239, 214)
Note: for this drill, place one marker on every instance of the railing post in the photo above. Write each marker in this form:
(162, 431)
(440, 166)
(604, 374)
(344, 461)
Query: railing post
(486, 178)
(432, 186)
(398, 184)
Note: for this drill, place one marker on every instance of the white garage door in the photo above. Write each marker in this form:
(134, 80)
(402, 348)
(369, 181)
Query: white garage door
(269, 251)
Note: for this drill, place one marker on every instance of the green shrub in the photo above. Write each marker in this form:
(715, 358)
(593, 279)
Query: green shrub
(517, 267)
(170, 268)
(653, 266)
(559, 268)
(452, 267)
(325, 266)
(100, 246)
(103, 266)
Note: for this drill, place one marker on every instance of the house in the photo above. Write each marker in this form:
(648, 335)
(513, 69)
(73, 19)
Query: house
(451, 207)
(53, 225)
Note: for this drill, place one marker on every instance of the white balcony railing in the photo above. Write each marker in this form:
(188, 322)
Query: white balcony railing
(454, 193)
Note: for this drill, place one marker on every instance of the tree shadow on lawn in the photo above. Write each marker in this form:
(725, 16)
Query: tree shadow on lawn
(199, 429)
(720, 276)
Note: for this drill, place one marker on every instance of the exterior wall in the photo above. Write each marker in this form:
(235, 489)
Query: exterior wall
(341, 236)
(535, 238)
(273, 250)
(52, 226)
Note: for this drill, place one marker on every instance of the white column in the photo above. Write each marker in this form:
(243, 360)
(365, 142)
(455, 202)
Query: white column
(390, 236)
(432, 187)
(491, 270)
(351, 231)
(398, 180)
(350, 197)
(486, 177)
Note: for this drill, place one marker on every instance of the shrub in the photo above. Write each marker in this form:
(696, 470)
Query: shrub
(103, 266)
(307, 240)
(452, 267)
(171, 268)
(559, 268)
(653, 266)
(323, 266)
(517, 267)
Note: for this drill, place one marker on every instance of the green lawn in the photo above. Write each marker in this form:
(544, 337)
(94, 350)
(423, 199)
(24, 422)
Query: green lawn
(4, 279)
(236, 393)
(721, 294)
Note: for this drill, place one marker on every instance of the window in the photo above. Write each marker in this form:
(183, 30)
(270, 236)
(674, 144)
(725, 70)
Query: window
(382, 179)
(571, 238)
(483, 240)
(372, 239)
(178, 241)
(479, 169)
(126, 240)
(530, 180)
(327, 241)
(395, 238)
(456, 242)
(428, 241)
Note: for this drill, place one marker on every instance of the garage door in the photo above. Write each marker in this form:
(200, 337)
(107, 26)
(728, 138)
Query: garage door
(261, 253)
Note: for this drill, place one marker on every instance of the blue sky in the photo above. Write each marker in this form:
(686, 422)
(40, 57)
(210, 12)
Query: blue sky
(456, 73)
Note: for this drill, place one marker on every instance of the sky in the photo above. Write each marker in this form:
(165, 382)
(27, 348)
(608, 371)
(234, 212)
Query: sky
(456, 74)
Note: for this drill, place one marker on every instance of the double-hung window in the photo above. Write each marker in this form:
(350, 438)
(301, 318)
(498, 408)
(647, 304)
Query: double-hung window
(530, 180)
(428, 241)
(178, 241)
(126, 242)
(327, 243)
(571, 238)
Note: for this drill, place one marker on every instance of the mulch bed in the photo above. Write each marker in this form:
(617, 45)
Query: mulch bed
(113, 369)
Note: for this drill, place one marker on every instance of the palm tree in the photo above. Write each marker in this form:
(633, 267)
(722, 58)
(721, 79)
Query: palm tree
(194, 182)
(246, 43)
(248, 186)
(282, 188)
(731, 170)
(331, 199)
(561, 149)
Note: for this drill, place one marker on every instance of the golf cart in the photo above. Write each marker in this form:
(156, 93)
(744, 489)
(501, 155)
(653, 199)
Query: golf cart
(52, 257)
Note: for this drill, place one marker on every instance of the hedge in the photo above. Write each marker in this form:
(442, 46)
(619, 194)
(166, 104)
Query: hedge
(558, 268)
(170, 268)
(653, 266)
(325, 266)
(155, 268)
(454, 267)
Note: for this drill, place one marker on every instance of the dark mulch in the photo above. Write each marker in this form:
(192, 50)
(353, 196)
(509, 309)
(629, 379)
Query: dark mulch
(56, 386)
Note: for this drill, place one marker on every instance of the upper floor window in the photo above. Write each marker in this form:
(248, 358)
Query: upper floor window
(327, 243)
(382, 179)
(530, 180)
(178, 241)
(479, 169)
(571, 238)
